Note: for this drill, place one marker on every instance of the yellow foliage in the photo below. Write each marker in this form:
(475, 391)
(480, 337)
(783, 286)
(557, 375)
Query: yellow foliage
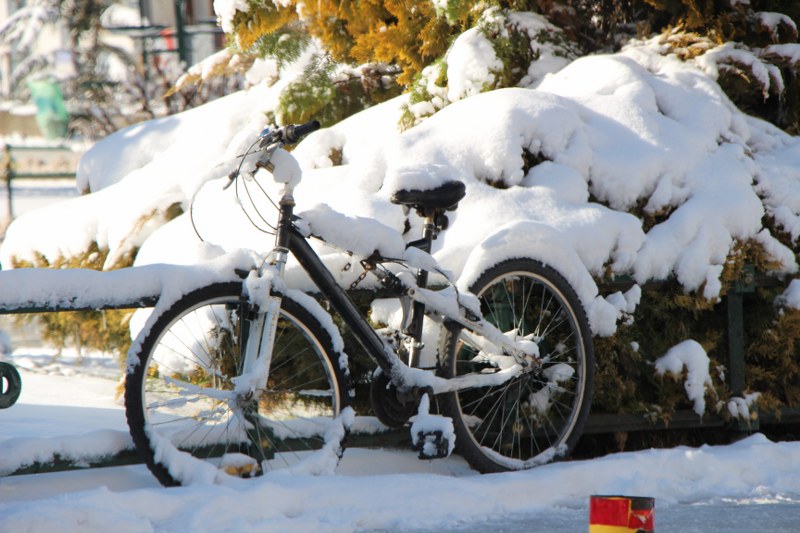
(339, 23)
(413, 37)
(405, 33)
(259, 21)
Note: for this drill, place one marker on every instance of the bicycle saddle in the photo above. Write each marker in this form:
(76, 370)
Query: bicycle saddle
(445, 196)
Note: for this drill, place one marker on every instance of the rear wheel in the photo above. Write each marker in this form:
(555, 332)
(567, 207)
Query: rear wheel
(539, 415)
(179, 391)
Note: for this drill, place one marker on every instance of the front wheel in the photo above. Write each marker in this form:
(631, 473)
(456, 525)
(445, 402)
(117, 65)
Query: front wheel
(179, 398)
(539, 415)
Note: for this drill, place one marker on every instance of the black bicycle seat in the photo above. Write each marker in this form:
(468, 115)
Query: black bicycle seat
(445, 196)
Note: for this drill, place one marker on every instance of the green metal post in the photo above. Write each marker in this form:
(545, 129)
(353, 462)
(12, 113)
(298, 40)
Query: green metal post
(8, 174)
(180, 30)
(735, 300)
(736, 341)
(143, 43)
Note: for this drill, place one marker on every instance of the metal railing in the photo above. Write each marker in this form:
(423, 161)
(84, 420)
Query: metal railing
(598, 423)
(38, 164)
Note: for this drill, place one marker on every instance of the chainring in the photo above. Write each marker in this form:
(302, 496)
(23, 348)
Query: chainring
(386, 405)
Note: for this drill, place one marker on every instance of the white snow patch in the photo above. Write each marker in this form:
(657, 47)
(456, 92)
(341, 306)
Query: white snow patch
(689, 355)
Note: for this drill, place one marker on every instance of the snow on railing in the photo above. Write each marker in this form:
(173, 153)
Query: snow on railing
(43, 289)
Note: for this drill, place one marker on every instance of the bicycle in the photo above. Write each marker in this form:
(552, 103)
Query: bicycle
(251, 376)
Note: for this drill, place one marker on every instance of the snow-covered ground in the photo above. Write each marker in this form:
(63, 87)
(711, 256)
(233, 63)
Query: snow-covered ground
(72, 408)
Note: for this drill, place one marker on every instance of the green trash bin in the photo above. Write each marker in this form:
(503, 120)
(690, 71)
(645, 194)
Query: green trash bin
(51, 115)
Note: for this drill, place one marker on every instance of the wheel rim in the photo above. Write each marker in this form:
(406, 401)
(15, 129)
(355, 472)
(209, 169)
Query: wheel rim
(527, 420)
(187, 391)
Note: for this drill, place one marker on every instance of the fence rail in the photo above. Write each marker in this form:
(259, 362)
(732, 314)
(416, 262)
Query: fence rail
(598, 423)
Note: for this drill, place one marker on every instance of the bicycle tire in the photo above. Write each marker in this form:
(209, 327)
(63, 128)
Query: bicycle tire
(191, 353)
(538, 416)
(10, 385)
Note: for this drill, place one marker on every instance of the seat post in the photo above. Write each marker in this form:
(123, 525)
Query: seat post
(429, 232)
(431, 205)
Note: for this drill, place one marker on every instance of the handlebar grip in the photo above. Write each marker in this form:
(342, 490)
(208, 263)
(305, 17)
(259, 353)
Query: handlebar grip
(294, 133)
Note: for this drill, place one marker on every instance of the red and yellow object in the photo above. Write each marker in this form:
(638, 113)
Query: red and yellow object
(621, 514)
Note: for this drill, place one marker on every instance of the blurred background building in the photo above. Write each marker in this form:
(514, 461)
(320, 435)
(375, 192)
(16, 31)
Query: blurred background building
(63, 64)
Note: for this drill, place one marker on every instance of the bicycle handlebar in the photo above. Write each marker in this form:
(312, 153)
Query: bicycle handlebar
(272, 139)
(293, 133)
(289, 134)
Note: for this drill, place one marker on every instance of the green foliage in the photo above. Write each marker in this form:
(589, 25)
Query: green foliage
(512, 47)
(695, 27)
(515, 45)
(328, 93)
(626, 381)
(309, 97)
(413, 37)
(105, 330)
(428, 94)
(620, 371)
(457, 12)
(771, 356)
(285, 44)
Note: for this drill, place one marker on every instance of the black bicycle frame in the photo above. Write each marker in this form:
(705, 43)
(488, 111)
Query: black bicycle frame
(340, 301)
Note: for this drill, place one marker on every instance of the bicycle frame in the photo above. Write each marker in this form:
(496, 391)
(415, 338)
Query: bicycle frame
(478, 333)
(340, 301)
(290, 239)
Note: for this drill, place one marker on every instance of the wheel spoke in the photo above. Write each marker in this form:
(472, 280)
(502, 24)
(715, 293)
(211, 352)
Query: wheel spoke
(182, 389)
(512, 425)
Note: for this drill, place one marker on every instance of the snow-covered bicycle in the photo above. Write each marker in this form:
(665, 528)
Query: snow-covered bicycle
(251, 375)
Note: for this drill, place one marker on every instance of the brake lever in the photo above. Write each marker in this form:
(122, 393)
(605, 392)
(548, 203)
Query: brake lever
(265, 161)
(231, 178)
(269, 136)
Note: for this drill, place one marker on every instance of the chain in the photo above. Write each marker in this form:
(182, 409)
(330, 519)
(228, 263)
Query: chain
(367, 267)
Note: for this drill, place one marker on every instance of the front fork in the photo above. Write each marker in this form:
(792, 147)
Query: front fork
(259, 337)
(258, 343)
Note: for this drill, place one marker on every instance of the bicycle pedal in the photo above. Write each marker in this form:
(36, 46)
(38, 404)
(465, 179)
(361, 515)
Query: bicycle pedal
(432, 435)
(239, 465)
(431, 445)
